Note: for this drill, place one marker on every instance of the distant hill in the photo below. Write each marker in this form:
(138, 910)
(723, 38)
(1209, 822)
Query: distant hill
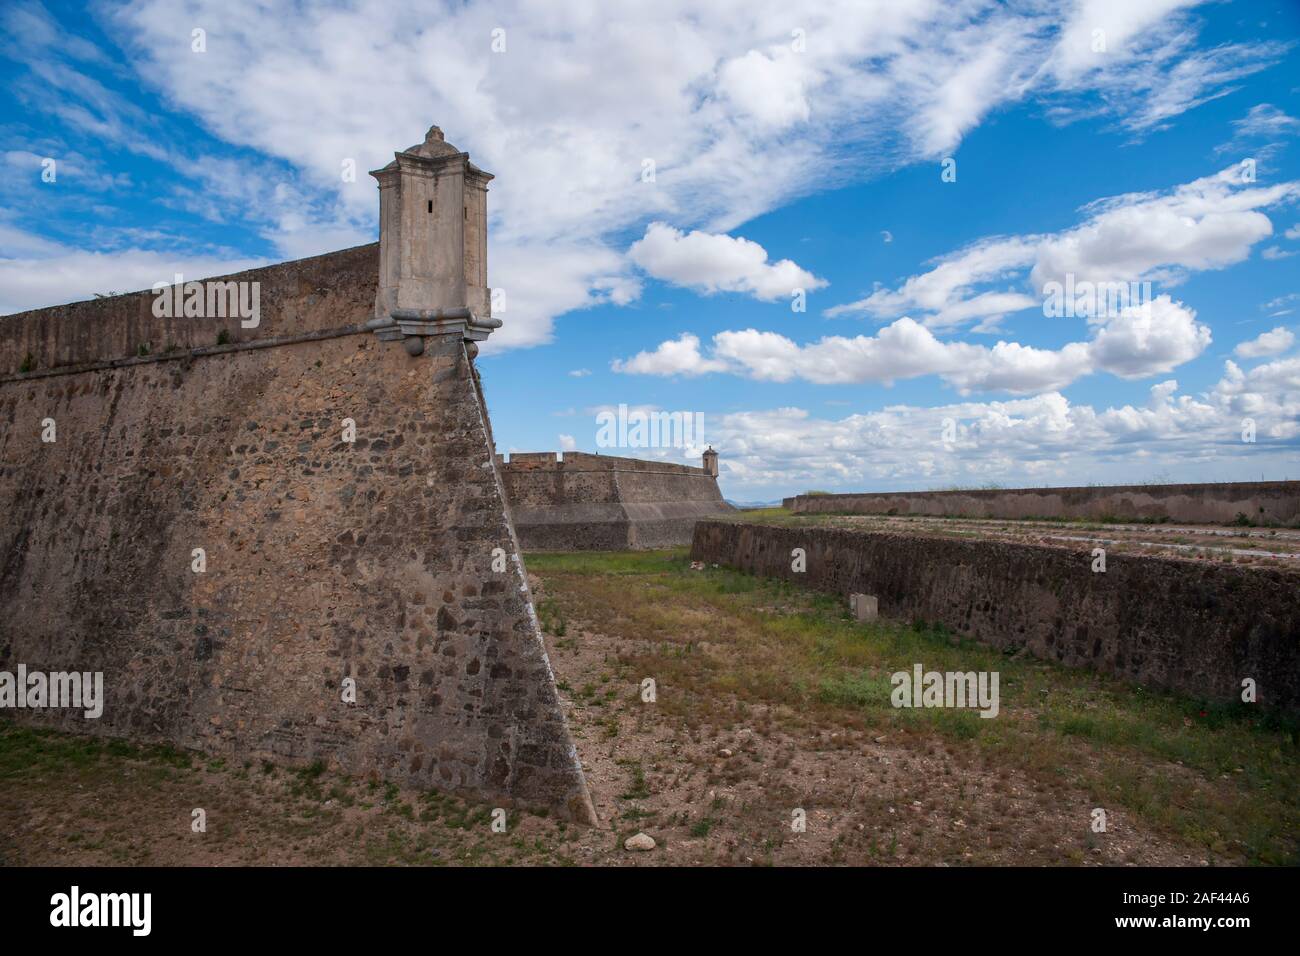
(745, 505)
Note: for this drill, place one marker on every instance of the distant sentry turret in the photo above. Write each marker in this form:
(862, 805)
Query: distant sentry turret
(711, 461)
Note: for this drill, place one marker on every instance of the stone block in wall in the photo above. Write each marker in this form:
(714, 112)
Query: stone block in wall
(864, 607)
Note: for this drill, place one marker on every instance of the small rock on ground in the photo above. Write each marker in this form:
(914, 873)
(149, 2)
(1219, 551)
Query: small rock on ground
(639, 842)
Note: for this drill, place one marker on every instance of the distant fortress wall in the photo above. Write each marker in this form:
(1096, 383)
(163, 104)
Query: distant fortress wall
(583, 502)
(1259, 502)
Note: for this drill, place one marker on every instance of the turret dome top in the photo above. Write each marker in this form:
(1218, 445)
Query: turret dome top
(435, 144)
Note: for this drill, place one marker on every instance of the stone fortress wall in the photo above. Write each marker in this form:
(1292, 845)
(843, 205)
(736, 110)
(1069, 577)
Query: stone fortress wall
(302, 299)
(1256, 502)
(582, 502)
(1198, 629)
(388, 561)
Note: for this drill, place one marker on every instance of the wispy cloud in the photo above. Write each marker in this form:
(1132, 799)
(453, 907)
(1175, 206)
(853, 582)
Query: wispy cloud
(734, 104)
(1209, 223)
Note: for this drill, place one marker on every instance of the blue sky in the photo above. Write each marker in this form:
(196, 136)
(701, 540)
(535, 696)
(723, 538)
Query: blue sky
(792, 148)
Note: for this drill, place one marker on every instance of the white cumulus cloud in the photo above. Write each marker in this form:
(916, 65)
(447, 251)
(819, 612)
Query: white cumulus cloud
(1269, 343)
(712, 263)
(1141, 341)
(1035, 440)
(678, 357)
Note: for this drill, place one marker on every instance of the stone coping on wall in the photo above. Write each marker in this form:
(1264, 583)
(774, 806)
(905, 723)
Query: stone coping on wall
(800, 502)
(1224, 502)
(585, 461)
(1197, 543)
(296, 298)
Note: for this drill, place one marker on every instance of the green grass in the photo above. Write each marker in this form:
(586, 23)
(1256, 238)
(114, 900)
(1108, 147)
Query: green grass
(25, 751)
(701, 828)
(606, 562)
(1224, 778)
(638, 790)
(551, 619)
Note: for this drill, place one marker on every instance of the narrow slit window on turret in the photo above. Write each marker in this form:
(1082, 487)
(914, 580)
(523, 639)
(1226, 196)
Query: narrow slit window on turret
(430, 205)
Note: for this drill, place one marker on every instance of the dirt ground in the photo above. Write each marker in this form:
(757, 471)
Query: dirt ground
(724, 791)
(732, 752)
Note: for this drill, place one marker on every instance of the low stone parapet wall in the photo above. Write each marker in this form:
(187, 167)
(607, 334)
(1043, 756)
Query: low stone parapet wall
(1198, 629)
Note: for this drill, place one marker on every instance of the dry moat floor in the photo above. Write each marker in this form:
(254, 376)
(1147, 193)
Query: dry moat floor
(768, 700)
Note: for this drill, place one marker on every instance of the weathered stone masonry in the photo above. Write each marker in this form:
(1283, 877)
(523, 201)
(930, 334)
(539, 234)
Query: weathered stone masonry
(325, 559)
(582, 502)
(1194, 628)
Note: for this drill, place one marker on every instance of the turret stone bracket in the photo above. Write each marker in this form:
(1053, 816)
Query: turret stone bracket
(413, 325)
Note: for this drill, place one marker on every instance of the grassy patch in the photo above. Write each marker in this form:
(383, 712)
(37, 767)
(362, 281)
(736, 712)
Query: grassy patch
(1224, 779)
(27, 751)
